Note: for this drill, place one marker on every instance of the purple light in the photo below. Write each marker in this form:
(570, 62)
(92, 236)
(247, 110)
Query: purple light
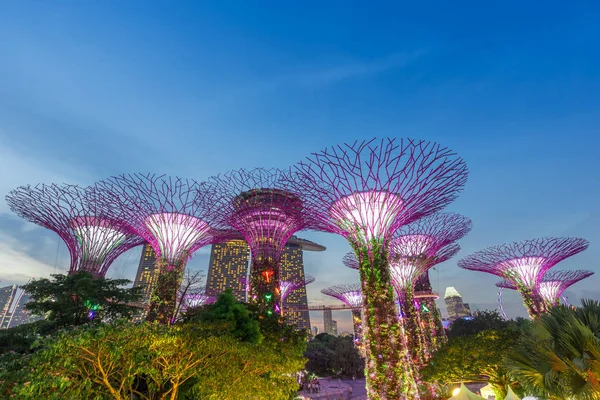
(350, 294)
(288, 286)
(95, 237)
(197, 300)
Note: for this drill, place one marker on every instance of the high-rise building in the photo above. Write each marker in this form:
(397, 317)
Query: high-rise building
(12, 307)
(333, 328)
(228, 263)
(146, 277)
(327, 321)
(455, 305)
(315, 331)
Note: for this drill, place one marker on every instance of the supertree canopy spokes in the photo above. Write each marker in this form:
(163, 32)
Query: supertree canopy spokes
(286, 287)
(365, 191)
(350, 295)
(197, 299)
(524, 264)
(553, 285)
(349, 259)
(260, 205)
(175, 215)
(94, 237)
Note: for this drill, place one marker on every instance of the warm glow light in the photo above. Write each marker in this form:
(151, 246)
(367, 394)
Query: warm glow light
(367, 215)
(550, 291)
(96, 240)
(526, 269)
(403, 272)
(176, 234)
(353, 299)
(455, 391)
(411, 245)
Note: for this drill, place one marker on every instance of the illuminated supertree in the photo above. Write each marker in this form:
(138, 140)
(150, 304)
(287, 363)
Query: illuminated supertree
(425, 299)
(524, 264)
(551, 287)
(412, 253)
(365, 191)
(286, 287)
(260, 206)
(176, 216)
(93, 236)
(197, 299)
(350, 295)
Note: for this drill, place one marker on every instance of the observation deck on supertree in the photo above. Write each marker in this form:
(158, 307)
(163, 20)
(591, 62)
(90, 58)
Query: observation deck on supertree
(412, 253)
(553, 285)
(524, 264)
(93, 236)
(365, 191)
(176, 216)
(260, 206)
(349, 294)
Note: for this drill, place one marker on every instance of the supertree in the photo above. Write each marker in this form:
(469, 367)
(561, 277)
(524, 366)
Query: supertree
(524, 264)
(286, 287)
(412, 253)
(176, 216)
(425, 299)
(551, 287)
(197, 299)
(365, 191)
(350, 295)
(260, 206)
(94, 237)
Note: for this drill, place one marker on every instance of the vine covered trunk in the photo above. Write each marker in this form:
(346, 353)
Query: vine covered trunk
(414, 332)
(389, 372)
(264, 285)
(163, 300)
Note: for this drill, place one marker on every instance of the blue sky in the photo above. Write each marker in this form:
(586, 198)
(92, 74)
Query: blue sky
(90, 89)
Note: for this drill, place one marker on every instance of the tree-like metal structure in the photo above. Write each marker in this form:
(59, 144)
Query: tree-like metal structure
(176, 216)
(286, 287)
(349, 294)
(435, 334)
(413, 251)
(552, 286)
(94, 237)
(197, 299)
(365, 191)
(260, 205)
(525, 264)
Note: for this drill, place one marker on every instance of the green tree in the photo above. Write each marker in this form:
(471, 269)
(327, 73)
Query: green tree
(481, 321)
(473, 358)
(227, 309)
(67, 300)
(334, 355)
(150, 361)
(560, 359)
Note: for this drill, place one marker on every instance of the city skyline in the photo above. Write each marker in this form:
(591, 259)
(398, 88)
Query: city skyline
(87, 92)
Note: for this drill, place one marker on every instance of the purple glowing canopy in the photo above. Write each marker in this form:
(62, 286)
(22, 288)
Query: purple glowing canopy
(553, 283)
(286, 287)
(350, 294)
(198, 299)
(367, 190)
(414, 247)
(524, 263)
(94, 237)
(176, 216)
(259, 205)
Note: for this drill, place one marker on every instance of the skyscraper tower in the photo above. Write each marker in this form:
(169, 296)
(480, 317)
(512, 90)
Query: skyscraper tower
(327, 321)
(146, 277)
(229, 262)
(455, 305)
(12, 307)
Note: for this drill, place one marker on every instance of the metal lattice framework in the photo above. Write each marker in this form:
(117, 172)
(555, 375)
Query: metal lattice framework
(525, 264)
(176, 216)
(94, 237)
(260, 205)
(350, 260)
(198, 299)
(553, 284)
(365, 191)
(350, 294)
(286, 287)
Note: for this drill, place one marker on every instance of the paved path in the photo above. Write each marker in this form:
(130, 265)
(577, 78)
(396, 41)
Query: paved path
(338, 390)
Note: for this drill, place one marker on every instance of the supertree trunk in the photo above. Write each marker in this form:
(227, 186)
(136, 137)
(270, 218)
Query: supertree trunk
(414, 331)
(163, 300)
(428, 325)
(357, 325)
(388, 369)
(264, 278)
(440, 337)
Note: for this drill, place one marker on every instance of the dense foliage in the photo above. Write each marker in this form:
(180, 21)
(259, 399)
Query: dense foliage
(334, 356)
(475, 350)
(560, 359)
(80, 298)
